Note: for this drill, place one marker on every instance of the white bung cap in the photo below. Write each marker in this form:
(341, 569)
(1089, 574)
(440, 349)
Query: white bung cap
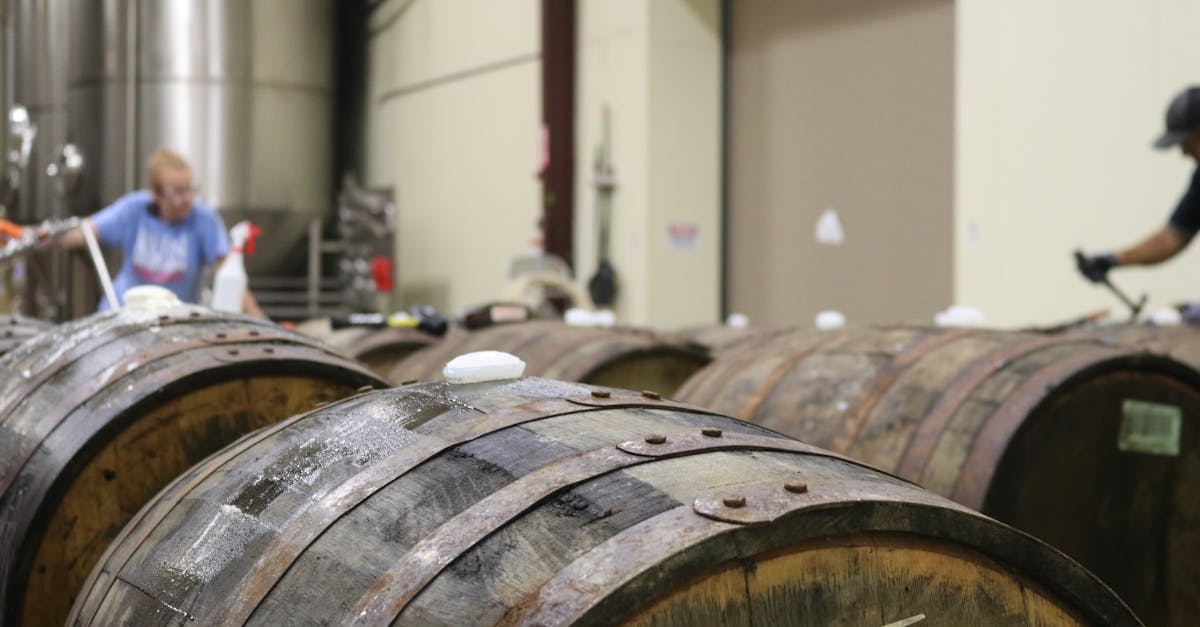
(959, 316)
(1166, 317)
(737, 320)
(830, 319)
(483, 366)
(150, 297)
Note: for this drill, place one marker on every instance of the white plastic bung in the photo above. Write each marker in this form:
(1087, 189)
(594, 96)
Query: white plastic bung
(959, 316)
(149, 297)
(483, 366)
(830, 319)
(604, 318)
(737, 320)
(576, 317)
(1166, 317)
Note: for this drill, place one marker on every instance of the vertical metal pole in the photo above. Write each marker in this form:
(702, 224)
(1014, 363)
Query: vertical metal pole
(131, 104)
(558, 42)
(314, 266)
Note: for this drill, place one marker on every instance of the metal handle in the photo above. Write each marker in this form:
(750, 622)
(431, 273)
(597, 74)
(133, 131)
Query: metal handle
(98, 260)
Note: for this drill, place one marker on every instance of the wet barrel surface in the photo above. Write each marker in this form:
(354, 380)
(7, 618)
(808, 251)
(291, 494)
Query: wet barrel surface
(15, 329)
(530, 501)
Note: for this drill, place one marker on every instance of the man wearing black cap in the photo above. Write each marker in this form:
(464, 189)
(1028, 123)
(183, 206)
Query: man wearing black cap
(1183, 130)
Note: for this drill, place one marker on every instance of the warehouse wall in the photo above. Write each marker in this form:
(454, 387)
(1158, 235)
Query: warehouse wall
(841, 108)
(452, 119)
(1057, 104)
(656, 65)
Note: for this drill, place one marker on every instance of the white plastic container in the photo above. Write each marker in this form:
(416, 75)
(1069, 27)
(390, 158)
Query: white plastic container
(229, 286)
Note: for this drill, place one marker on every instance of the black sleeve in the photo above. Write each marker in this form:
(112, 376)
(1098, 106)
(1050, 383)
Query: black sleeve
(1186, 217)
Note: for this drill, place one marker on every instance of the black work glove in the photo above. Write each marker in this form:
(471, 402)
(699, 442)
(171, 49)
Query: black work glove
(1095, 267)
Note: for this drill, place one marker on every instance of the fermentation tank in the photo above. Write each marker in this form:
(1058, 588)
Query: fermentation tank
(242, 89)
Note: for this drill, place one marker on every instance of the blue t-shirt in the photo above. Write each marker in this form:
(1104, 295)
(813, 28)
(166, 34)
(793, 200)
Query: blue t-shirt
(1186, 217)
(158, 253)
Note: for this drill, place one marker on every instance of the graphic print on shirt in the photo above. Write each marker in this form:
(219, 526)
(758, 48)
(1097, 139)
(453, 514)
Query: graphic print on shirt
(160, 257)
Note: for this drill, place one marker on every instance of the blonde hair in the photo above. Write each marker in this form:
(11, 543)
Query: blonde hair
(163, 159)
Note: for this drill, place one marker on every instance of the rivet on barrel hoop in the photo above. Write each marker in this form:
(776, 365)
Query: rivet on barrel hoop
(601, 393)
(712, 432)
(163, 317)
(734, 500)
(220, 336)
(233, 351)
(254, 333)
(268, 350)
(796, 487)
(655, 438)
(194, 314)
(651, 394)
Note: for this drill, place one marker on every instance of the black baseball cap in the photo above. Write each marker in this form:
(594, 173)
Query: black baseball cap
(1183, 118)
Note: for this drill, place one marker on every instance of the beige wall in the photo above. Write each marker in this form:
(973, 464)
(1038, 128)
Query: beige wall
(453, 111)
(1057, 103)
(657, 66)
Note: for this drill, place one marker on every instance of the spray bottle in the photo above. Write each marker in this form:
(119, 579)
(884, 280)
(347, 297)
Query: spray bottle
(229, 286)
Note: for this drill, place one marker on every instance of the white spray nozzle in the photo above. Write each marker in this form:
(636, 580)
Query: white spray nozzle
(242, 236)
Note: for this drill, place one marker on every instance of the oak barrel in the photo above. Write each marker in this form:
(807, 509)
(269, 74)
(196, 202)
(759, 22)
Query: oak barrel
(618, 357)
(380, 349)
(531, 501)
(722, 337)
(15, 329)
(1093, 448)
(99, 414)
(1178, 341)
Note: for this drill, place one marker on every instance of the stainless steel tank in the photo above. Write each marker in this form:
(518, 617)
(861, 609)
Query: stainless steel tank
(243, 89)
(39, 79)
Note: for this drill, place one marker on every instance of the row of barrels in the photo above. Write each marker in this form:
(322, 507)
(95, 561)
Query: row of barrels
(1085, 439)
(541, 501)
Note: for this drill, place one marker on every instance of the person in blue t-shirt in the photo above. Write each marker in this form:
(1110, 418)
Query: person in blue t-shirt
(167, 236)
(1183, 130)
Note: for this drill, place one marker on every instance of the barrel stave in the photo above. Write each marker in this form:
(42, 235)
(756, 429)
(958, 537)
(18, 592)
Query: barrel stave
(566, 523)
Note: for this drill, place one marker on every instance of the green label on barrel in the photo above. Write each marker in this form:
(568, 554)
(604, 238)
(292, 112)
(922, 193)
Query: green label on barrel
(1150, 428)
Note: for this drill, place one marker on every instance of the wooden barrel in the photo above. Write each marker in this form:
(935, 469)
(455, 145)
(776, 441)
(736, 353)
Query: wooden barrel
(620, 357)
(538, 502)
(380, 349)
(15, 329)
(1180, 341)
(99, 414)
(722, 337)
(1089, 447)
